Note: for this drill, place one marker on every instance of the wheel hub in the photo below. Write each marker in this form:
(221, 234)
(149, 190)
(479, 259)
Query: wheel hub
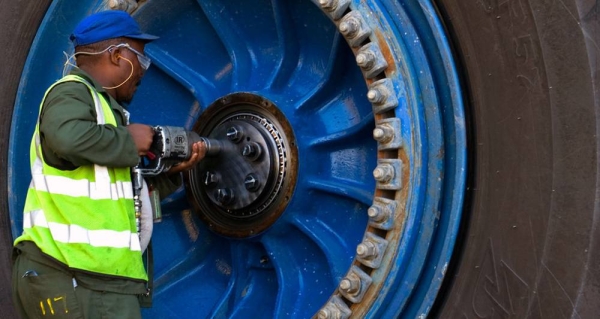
(244, 189)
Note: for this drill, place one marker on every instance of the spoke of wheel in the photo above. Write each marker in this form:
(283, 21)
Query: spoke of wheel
(339, 254)
(347, 136)
(327, 87)
(200, 87)
(194, 264)
(251, 282)
(244, 43)
(222, 307)
(289, 46)
(362, 193)
(302, 272)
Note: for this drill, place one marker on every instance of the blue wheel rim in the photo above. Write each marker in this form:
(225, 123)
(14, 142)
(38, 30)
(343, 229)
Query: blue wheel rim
(291, 53)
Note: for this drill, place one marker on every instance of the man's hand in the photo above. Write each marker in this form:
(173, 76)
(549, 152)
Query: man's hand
(198, 153)
(142, 137)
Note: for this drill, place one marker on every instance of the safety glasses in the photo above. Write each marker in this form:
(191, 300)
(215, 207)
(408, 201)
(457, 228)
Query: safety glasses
(144, 60)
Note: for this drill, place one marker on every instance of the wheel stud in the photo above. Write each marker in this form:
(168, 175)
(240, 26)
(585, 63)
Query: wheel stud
(252, 151)
(251, 182)
(325, 314)
(334, 8)
(350, 284)
(383, 173)
(234, 134)
(370, 251)
(383, 133)
(365, 60)
(334, 309)
(367, 250)
(327, 4)
(210, 179)
(349, 27)
(377, 214)
(370, 59)
(376, 96)
(224, 196)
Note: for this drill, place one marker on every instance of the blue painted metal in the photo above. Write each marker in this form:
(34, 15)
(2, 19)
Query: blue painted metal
(290, 53)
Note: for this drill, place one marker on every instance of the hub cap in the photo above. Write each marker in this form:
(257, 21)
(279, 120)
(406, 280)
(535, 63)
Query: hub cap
(243, 190)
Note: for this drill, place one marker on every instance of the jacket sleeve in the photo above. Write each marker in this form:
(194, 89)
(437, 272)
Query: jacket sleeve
(69, 131)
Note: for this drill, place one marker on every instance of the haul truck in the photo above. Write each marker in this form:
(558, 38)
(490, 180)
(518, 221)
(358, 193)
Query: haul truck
(416, 159)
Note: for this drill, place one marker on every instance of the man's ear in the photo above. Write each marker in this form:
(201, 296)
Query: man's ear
(114, 55)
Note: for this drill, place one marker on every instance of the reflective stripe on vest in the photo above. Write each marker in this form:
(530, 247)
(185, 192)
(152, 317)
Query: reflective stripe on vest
(72, 234)
(85, 217)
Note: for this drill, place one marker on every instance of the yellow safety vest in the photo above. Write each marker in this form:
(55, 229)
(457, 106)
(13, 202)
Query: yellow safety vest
(83, 218)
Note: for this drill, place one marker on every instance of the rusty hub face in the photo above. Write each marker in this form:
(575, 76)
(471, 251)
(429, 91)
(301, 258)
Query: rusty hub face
(246, 187)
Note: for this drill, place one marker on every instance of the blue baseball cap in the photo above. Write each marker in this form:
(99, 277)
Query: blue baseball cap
(106, 25)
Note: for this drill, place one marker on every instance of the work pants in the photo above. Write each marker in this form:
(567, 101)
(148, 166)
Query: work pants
(42, 291)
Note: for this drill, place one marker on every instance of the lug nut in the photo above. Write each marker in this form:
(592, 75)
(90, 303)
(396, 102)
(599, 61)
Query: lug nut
(350, 285)
(252, 151)
(224, 196)
(124, 5)
(375, 96)
(371, 60)
(324, 314)
(251, 182)
(366, 250)
(365, 60)
(376, 213)
(334, 309)
(210, 179)
(349, 27)
(234, 134)
(378, 133)
(327, 4)
(383, 133)
(383, 173)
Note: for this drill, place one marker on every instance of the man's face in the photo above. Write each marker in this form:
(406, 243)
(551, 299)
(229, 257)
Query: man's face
(125, 92)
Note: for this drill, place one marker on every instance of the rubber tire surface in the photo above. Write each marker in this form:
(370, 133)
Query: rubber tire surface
(531, 219)
(19, 21)
(530, 236)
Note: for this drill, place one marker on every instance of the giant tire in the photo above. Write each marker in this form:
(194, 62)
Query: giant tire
(529, 246)
(529, 73)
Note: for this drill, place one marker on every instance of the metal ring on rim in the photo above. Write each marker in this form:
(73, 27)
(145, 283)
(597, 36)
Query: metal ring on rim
(408, 198)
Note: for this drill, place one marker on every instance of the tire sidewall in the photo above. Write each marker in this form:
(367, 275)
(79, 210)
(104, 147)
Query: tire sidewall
(528, 237)
(19, 22)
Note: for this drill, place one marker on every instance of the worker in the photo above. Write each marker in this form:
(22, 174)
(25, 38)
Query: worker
(79, 255)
